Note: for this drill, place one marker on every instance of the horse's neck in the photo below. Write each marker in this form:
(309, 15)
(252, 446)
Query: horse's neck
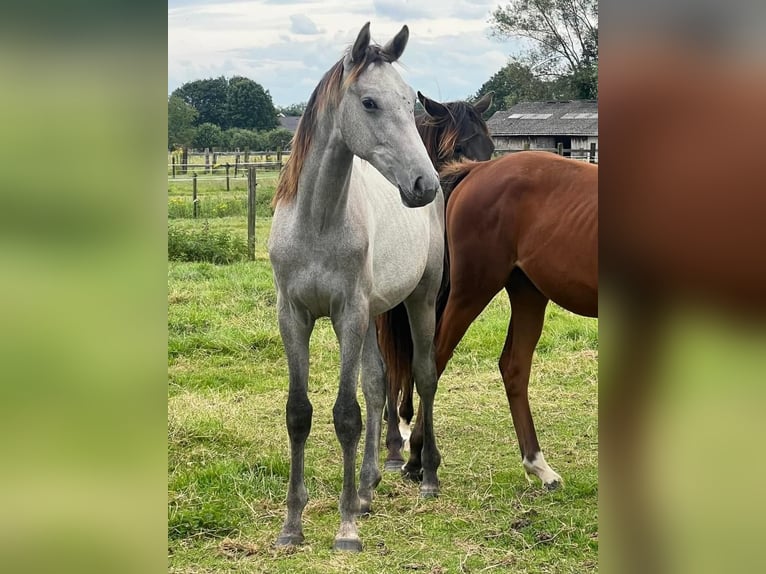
(323, 185)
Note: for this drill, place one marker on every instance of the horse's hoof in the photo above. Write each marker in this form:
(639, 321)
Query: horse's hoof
(393, 465)
(347, 545)
(365, 507)
(289, 540)
(554, 485)
(413, 474)
(429, 491)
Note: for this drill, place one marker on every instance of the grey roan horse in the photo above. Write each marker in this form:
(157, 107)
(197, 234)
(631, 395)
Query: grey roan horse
(344, 244)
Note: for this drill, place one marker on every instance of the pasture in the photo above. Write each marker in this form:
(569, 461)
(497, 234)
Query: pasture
(228, 458)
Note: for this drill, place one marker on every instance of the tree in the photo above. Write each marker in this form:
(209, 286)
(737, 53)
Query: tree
(236, 103)
(514, 83)
(208, 136)
(249, 106)
(208, 97)
(181, 118)
(564, 34)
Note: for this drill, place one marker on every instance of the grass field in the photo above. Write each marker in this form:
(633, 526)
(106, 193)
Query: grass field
(228, 457)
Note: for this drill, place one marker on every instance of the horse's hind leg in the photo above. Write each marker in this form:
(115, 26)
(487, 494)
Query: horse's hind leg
(373, 385)
(395, 343)
(458, 315)
(526, 325)
(394, 438)
(296, 332)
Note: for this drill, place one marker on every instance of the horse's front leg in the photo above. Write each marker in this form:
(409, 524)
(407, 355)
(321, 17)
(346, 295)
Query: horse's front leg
(351, 326)
(422, 321)
(295, 327)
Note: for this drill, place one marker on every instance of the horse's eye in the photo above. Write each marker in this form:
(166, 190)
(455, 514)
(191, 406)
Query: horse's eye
(459, 149)
(369, 104)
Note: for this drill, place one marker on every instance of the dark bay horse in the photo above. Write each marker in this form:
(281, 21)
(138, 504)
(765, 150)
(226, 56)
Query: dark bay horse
(528, 223)
(450, 131)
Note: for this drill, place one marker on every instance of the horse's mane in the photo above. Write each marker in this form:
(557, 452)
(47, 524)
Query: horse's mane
(440, 134)
(328, 92)
(453, 173)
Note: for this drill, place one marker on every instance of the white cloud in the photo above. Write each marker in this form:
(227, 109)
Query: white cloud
(302, 24)
(449, 54)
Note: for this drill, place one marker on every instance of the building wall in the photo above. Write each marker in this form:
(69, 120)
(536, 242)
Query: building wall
(517, 142)
(584, 144)
(542, 142)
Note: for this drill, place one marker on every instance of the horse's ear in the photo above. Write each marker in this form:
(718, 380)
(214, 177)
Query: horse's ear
(432, 107)
(360, 45)
(483, 104)
(396, 46)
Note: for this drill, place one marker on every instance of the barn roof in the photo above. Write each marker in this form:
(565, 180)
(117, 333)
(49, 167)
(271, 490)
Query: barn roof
(289, 122)
(558, 118)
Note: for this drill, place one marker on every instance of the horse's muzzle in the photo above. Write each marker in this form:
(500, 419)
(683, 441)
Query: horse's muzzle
(421, 194)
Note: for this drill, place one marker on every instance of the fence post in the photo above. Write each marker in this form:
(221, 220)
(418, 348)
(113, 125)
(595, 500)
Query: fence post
(184, 159)
(251, 184)
(560, 148)
(247, 156)
(173, 161)
(207, 159)
(526, 145)
(592, 153)
(236, 164)
(279, 157)
(227, 175)
(194, 194)
(215, 160)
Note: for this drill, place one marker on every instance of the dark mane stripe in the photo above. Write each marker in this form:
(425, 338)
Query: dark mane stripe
(327, 93)
(453, 173)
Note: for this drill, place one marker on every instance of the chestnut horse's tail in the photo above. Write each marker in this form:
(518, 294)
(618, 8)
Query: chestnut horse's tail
(394, 335)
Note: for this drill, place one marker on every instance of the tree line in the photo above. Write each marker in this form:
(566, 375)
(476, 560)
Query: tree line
(226, 114)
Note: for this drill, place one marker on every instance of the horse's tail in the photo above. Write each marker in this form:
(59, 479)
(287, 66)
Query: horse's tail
(395, 343)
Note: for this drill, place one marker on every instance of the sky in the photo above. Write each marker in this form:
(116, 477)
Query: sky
(286, 46)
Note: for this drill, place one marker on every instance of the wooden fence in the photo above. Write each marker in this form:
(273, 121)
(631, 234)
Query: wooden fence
(235, 160)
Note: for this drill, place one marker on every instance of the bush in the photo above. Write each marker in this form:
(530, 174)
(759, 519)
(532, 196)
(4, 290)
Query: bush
(278, 138)
(205, 245)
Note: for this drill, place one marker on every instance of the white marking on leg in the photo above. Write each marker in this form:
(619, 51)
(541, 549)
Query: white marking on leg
(405, 431)
(541, 469)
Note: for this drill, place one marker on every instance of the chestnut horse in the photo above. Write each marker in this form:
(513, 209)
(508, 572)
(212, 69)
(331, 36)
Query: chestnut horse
(528, 223)
(450, 131)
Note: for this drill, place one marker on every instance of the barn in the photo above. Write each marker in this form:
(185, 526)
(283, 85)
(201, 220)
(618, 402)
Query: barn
(288, 122)
(544, 125)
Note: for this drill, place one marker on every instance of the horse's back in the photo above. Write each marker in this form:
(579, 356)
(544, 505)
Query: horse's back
(539, 212)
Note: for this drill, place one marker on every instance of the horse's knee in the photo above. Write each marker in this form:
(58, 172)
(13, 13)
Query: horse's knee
(299, 412)
(347, 417)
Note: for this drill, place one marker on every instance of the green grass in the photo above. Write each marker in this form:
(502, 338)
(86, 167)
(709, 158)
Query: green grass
(228, 448)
